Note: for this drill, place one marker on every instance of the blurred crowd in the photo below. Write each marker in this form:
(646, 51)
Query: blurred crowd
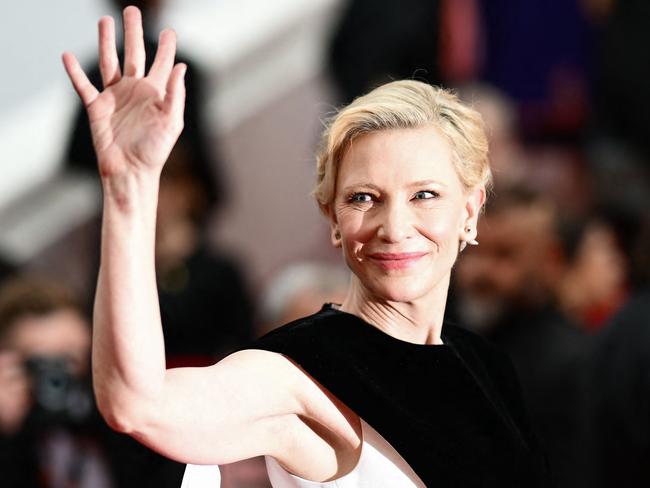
(560, 280)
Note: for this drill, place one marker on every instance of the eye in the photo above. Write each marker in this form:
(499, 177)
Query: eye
(361, 197)
(425, 195)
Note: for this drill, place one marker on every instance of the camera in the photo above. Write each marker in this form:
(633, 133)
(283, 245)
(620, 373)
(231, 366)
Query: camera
(60, 397)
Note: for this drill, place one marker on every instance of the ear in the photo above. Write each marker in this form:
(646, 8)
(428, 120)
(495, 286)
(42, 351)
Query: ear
(335, 234)
(473, 206)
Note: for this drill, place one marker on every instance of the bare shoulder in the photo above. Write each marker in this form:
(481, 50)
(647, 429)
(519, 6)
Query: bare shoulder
(325, 434)
(282, 378)
(252, 359)
(269, 370)
(321, 438)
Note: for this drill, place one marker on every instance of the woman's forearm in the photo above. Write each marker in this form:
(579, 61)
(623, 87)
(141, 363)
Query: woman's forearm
(128, 346)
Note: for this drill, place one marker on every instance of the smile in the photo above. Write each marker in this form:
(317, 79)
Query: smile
(396, 260)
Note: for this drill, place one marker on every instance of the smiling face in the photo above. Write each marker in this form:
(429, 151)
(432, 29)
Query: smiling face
(399, 212)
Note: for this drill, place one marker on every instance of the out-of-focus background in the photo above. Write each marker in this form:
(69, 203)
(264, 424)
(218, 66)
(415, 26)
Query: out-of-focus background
(559, 280)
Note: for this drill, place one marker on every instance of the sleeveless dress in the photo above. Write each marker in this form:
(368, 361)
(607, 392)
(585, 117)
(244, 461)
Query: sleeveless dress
(453, 412)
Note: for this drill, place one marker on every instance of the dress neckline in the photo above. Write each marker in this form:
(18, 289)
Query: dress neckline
(331, 309)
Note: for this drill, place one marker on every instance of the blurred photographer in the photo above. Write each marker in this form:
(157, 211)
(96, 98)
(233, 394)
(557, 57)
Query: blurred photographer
(48, 422)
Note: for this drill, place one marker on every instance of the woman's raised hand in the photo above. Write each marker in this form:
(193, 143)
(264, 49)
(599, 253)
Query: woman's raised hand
(136, 119)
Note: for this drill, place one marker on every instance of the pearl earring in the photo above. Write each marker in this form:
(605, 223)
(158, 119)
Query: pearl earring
(473, 242)
(463, 243)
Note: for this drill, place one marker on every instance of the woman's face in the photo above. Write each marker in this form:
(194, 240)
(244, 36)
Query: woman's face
(400, 210)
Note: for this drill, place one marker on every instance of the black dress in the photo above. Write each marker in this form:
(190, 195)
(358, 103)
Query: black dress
(454, 412)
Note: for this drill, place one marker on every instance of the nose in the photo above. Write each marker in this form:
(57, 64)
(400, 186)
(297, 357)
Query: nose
(395, 222)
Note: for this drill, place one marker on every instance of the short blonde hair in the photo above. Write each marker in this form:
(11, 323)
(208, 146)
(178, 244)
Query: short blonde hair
(405, 104)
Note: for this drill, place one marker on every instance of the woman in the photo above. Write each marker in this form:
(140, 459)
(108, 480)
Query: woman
(370, 393)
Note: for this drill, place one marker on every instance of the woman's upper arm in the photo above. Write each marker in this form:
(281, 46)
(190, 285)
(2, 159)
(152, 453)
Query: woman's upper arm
(233, 410)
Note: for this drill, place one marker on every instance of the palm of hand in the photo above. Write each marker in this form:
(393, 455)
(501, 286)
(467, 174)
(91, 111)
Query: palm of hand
(136, 120)
(129, 127)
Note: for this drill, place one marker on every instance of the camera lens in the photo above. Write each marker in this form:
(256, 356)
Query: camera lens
(59, 396)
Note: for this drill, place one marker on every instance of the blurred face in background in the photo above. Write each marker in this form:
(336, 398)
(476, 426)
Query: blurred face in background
(60, 334)
(400, 210)
(596, 281)
(511, 267)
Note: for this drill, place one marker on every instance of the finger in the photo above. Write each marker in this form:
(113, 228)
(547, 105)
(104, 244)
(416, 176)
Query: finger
(109, 65)
(174, 102)
(85, 89)
(164, 62)
(134, 56)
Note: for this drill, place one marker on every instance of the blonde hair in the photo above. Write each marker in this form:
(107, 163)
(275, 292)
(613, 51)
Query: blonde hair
(405, 104)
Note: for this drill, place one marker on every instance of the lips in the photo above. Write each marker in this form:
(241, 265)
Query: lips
(402, 260)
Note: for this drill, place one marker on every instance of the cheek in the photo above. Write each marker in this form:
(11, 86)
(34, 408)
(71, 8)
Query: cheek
(356, 227)
(441, 229)
(439, 226)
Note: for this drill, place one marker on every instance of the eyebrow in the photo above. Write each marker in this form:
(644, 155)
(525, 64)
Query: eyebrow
(356, 186)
